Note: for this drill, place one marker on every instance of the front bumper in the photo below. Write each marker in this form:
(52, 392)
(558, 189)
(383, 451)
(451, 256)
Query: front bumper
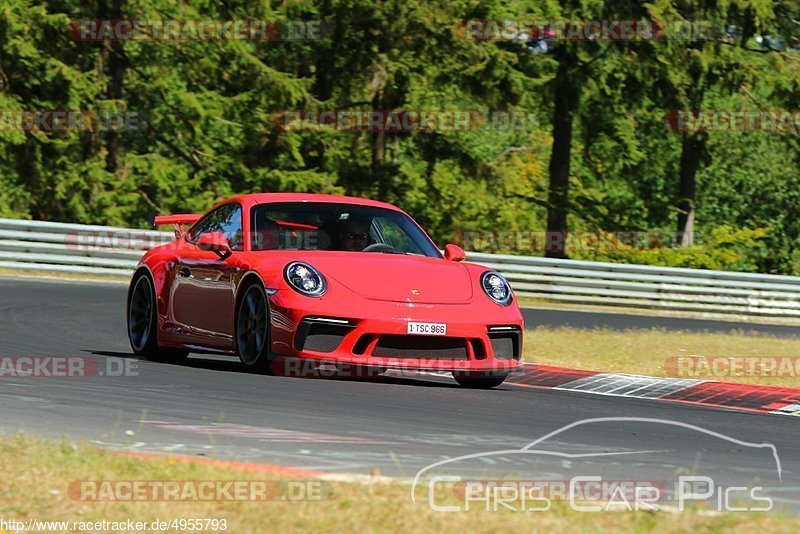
(363, 332)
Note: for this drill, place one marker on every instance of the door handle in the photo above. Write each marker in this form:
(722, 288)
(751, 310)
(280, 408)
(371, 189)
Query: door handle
(185, 272)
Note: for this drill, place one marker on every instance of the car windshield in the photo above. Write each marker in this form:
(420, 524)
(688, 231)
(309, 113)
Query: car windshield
(335, 226)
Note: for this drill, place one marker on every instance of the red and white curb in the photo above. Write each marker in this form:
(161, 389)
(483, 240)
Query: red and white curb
(747, 397)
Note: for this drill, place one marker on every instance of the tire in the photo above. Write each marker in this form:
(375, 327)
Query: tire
(143, 323)
(480, 380)
(252, 329)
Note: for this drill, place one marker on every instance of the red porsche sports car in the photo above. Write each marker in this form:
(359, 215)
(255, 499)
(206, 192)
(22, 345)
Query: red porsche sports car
(321, 279)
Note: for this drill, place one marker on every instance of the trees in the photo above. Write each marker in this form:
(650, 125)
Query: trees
(707, 56)
(597, 156)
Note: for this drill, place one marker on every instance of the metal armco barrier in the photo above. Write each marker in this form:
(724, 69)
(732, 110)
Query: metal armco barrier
(76, 248)
(645, 286)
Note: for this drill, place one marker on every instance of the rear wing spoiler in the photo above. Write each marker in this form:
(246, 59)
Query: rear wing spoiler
(178, 220)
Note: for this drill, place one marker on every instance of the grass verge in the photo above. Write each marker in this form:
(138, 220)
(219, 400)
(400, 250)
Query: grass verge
(38, 473)
(650, 352)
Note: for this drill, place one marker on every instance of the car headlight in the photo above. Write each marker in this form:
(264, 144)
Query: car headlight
(496, 287)
(305, 279)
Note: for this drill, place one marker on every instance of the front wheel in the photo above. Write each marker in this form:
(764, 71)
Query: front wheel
(142, 324)
(479, 380)
(252, 329)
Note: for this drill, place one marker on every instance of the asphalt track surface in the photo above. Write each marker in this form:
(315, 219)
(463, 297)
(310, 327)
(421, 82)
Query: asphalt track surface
(395, 426)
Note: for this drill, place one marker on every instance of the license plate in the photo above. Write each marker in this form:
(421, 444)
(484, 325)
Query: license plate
(427, 329)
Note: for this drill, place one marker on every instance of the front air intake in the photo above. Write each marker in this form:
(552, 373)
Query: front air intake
(423, 347)
(506, 342)
(321, 334)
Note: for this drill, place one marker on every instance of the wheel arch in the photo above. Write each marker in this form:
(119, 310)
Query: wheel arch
(157, 269)
(141, 272)
(250, 278)
(141, 269)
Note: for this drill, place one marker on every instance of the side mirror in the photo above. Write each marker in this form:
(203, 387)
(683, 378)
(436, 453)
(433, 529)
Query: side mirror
(454, 253)
(215, 242)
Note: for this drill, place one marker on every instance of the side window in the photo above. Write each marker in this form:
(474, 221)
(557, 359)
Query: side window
(227, 220)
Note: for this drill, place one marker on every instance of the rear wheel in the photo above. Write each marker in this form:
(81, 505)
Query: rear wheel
(143, 324)
(252, 329)
(479, 380)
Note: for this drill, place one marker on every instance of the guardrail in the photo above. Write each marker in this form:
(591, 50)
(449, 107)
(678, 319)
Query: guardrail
(644, 286)
(76, 248)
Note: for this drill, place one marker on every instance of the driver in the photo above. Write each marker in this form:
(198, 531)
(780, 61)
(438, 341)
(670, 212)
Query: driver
(353, 235)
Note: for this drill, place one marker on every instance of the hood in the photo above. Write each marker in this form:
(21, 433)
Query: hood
(395, 277)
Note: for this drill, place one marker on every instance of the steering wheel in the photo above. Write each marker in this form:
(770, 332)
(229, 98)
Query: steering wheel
(383, 247)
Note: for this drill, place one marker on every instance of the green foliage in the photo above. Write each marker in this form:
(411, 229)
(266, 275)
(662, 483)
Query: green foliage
(207, 113)
(726, 248)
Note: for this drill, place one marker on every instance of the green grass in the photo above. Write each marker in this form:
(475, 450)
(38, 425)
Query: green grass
(648, 352)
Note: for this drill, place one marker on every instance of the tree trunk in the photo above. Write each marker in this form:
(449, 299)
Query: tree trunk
(326, 61)
(116, 76)
(687, 190)
(378, 139)
(378, 151)
(565, 102)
